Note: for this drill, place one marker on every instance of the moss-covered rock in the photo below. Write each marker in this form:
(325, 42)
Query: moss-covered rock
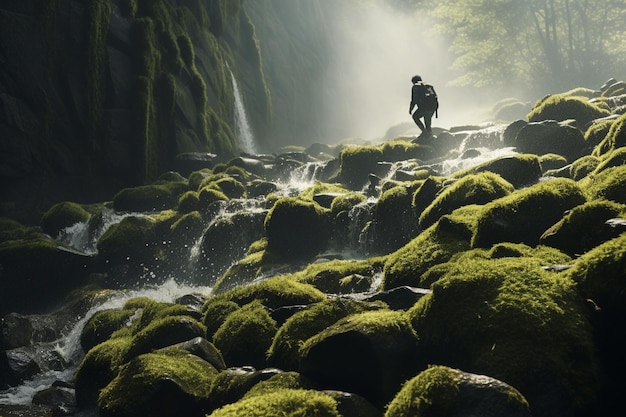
(357, 162)
(563, 107)
(510, 319)
(334, 277)
(520, 170)
(163, 332)
(583, 228)
(63, 215)
(552, 161)
(435, 245)
(609, 184)
(284, 351)
(394, 221)
(160, 383)
(581, 167)
(297, 229)
(154, 197)
(188, 201)
(102, 325)
(345, 202)
(246, 335)
(471, 189)
(615, 138)
(370, 353)
(38, 272)
(596, 133)
(523, 216)
(289, 402)
(551, 137)
(402, 149)
(233, 383)
(98, 368)
(613, 158)
(444, 391)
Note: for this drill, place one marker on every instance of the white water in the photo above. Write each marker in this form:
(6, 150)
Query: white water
(245, 138)
(68, 346)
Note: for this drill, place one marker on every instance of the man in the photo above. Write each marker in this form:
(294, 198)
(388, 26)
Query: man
(424, 99)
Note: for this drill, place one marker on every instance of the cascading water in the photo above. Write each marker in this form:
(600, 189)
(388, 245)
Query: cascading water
(245, 138)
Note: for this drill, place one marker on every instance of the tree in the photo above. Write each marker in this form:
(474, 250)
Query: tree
(546, 44)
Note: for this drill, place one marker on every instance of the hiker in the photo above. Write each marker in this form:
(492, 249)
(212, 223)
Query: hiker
(424, 97)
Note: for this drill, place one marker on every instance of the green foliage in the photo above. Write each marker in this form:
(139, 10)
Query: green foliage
(246, 335)
(538, 45)
(471, 189)
(523, 216)
(287, 402)
(560, 107)
(510, 319)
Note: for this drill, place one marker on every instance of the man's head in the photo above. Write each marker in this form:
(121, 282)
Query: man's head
(416, 79)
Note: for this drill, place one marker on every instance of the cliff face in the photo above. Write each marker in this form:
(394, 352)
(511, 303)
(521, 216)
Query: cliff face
(97, 95)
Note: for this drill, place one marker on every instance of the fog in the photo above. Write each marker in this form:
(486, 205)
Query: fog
(376, 51)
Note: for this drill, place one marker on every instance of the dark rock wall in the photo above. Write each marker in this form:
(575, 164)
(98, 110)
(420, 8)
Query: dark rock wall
(102, 94)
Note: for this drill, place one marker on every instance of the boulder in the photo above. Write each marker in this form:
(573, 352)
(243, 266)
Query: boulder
(369, 353)
(548, 137)
(449, 392)
(16, 331)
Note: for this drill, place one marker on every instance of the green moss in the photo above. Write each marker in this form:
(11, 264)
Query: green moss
(616, 157)
(188, 202)
(102, 325)
(165, 331)
(320, 188)
(583, 166)
(328, 276)
(357, 162)
(208, 195)
(615, 89)
(98, 368)
(523, 216)
(283, 380)
(510, 319)
(599, 274)
(297, 229)
(152, 197)
(582, 227)
(273, 293)
(287, 402)
(62, 215)
(562, 107)
(345, 202)
(146, 384)
(13, 230)
(437, 391)
(615, 138)
(552, 161)
(131, 239)
(471, 189)
(215, 312)
(401, 150)
(434, 246)
(284, 351)
(99, 13)
(598, 130)
(520, 170)
(434, 391)
(609, 184)
(427, 192)
(246, 335)
(229, 186)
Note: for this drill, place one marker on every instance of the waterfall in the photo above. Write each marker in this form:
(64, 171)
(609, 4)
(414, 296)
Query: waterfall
(243, 132)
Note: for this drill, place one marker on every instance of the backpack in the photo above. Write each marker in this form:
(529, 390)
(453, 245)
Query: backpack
(429, 100)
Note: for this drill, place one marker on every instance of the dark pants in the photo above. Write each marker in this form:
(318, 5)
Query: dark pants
(428, 117)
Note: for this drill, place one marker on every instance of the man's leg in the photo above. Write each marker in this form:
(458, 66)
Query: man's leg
(418, 122)
(428, 118)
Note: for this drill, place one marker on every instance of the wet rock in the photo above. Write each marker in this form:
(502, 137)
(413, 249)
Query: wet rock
(16, 366)
(16, 331)
(60, 400)
(551, 137)
(399, 298)
(353, 405)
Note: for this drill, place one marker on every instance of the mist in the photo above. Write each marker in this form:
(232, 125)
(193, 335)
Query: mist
(375, 52)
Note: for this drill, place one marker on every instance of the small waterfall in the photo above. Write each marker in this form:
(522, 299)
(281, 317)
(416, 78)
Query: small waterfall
(245, 138)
